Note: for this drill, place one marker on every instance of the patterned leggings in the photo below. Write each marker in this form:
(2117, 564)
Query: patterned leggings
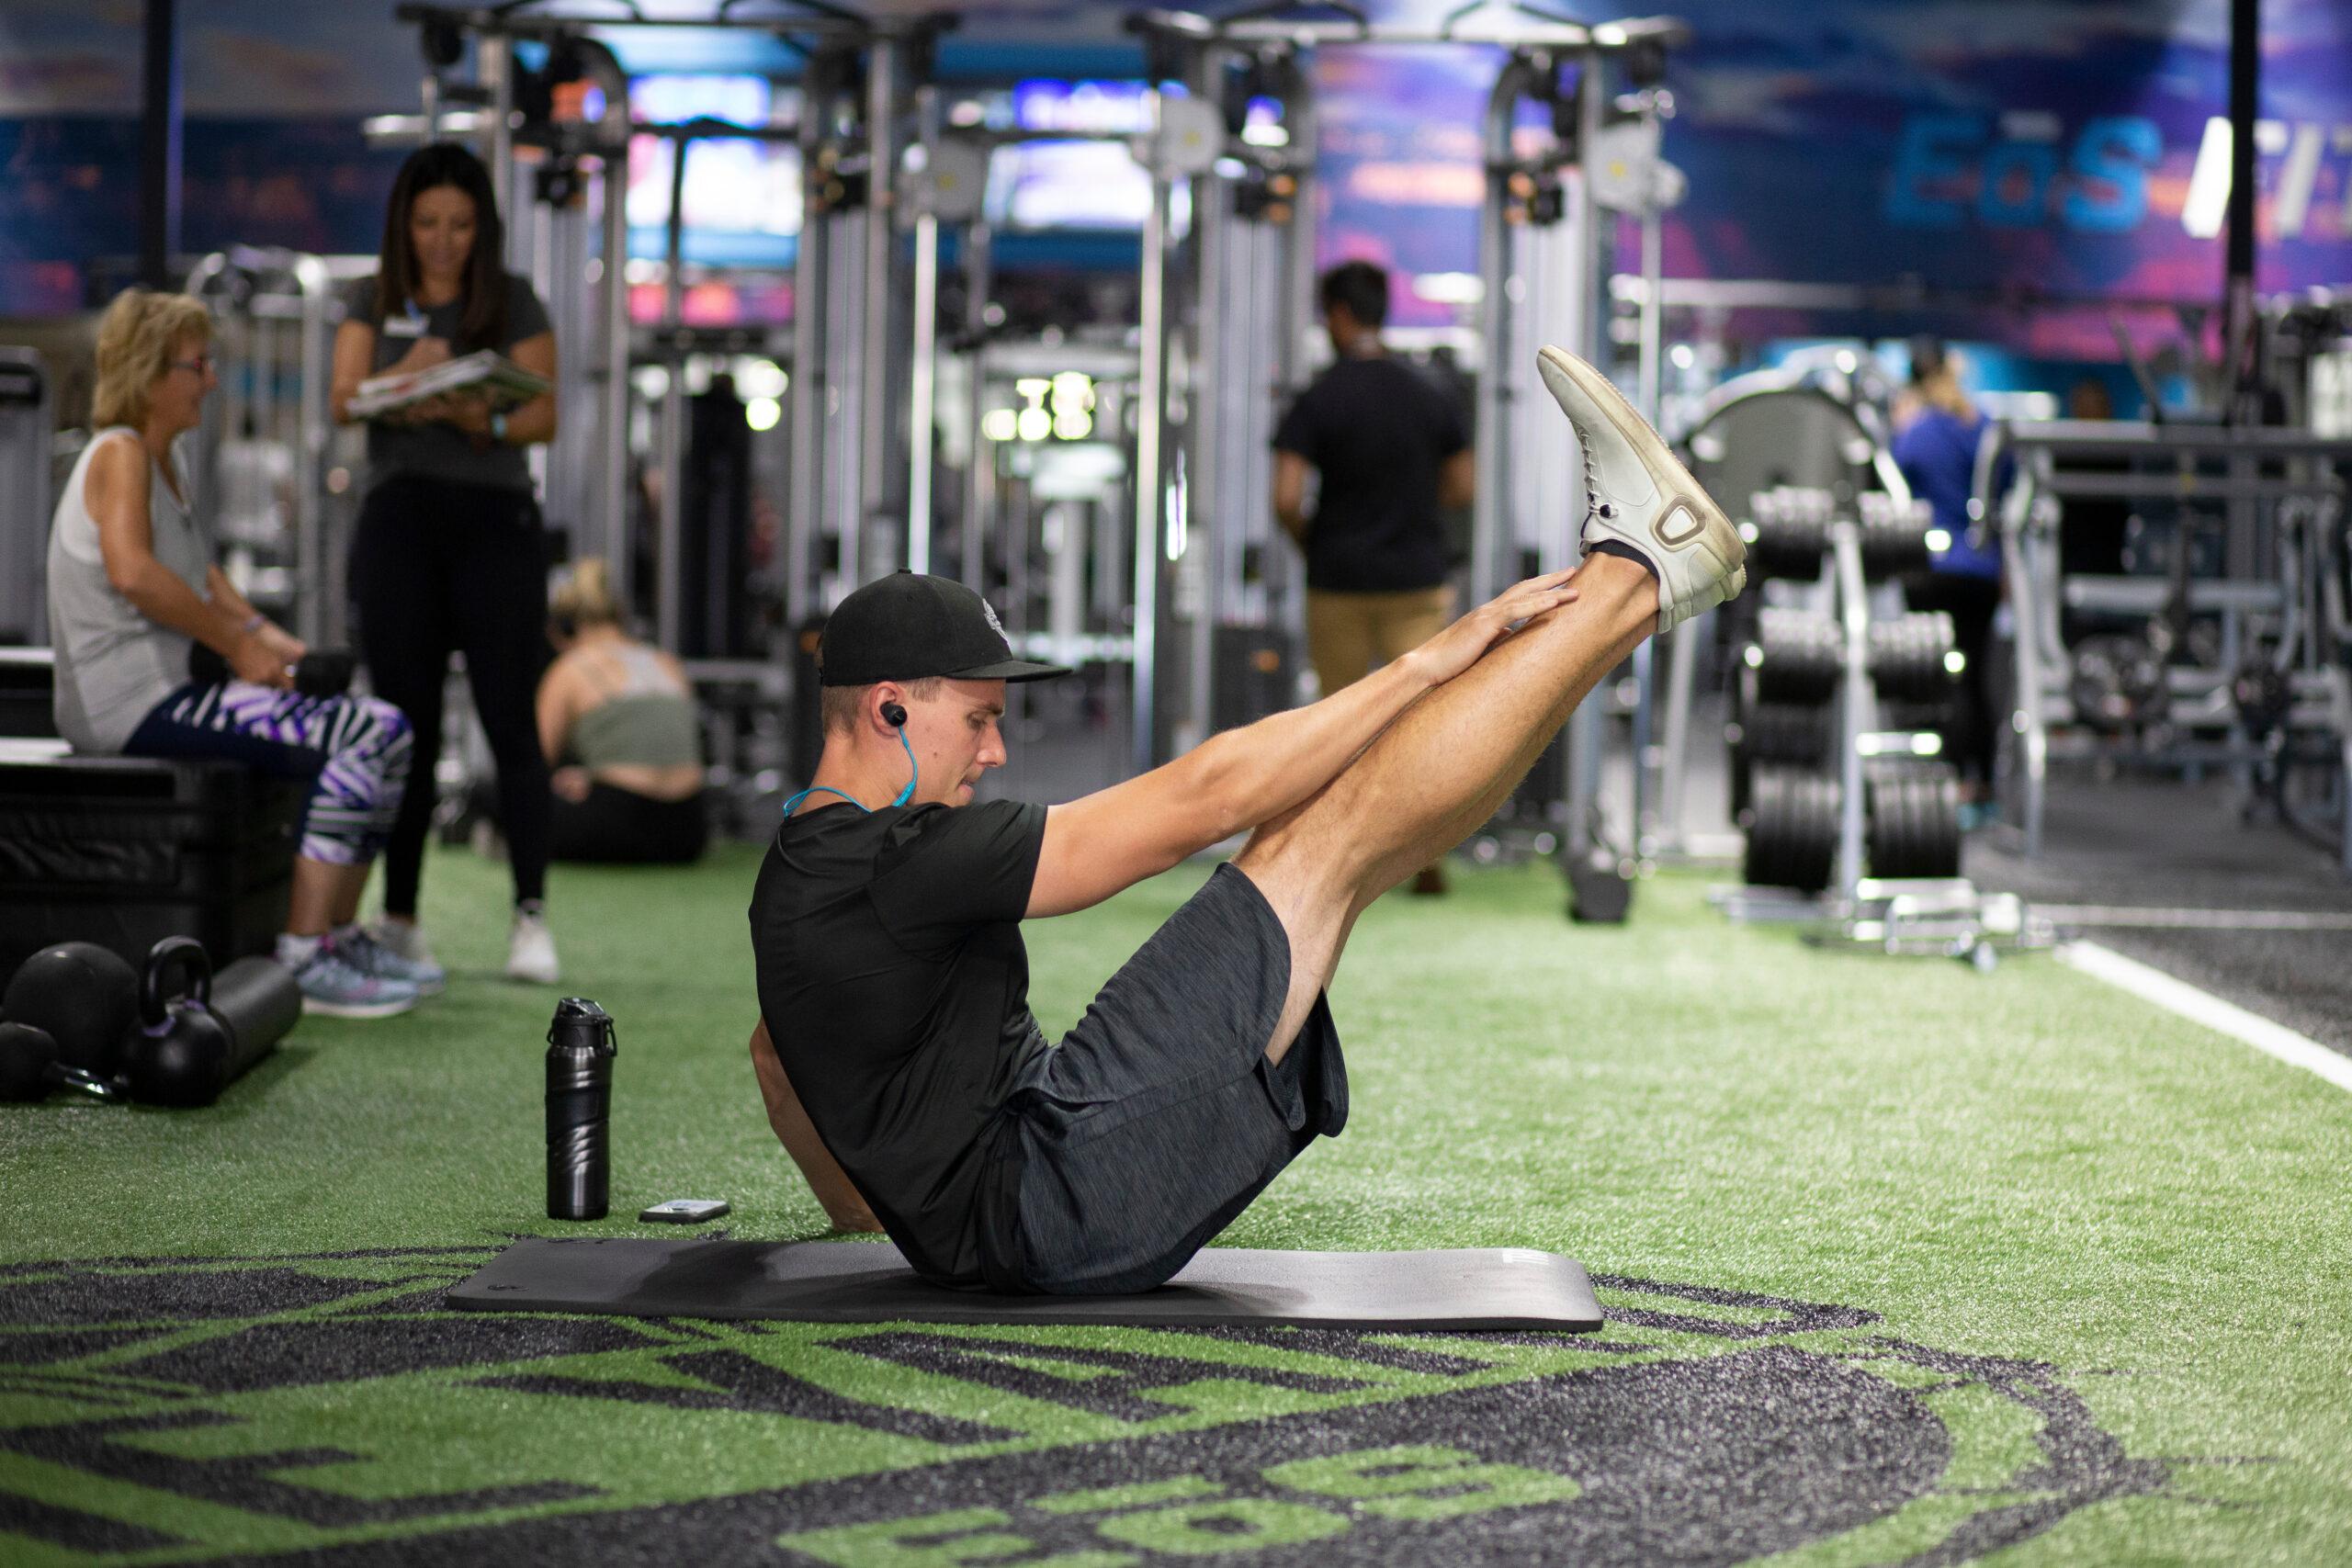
(354, 750)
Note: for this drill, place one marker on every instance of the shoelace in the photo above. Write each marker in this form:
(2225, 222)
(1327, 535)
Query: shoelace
(1594, 506)
(336, 969)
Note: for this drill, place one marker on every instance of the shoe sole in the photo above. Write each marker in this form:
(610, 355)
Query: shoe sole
(1715, 528)
(357, 1009)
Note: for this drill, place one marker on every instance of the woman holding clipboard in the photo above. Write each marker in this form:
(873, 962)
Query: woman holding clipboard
(449, 555)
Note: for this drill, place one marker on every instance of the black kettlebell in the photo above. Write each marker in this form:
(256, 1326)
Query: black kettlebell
(30, 1068)
(180, 1054)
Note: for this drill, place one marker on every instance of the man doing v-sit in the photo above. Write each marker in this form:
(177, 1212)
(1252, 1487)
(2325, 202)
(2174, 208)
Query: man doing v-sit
(900, 1063)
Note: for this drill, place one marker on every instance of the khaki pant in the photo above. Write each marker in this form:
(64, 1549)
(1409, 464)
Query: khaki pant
(1347, 635)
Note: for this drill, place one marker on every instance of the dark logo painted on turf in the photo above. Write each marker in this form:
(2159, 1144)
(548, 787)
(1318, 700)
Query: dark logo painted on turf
(324, 1405)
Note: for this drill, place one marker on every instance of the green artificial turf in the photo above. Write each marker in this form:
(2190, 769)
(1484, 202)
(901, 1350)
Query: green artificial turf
(2024, 1165)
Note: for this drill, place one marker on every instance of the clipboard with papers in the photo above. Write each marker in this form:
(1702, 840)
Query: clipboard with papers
(485, 373)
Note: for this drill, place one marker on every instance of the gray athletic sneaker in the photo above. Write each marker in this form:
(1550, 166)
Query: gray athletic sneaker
(364, 953)
(1637, 493)
(332, 985)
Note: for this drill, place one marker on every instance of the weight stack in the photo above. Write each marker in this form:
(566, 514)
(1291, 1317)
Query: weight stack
(1250, 675)
(805, 720)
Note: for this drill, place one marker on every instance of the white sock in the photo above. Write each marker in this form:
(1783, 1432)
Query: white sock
(296, 950)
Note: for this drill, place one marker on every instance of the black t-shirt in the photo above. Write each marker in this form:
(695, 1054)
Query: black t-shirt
(1378, 432)
(442, 451)
(895, 984)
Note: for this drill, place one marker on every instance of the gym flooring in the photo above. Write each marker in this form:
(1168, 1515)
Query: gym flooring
(1904, 1263)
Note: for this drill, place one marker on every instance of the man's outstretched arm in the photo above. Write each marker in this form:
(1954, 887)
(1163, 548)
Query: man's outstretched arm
(1230, 783)
(845, 1205)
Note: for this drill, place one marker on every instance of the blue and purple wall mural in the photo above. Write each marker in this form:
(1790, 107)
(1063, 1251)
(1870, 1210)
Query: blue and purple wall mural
(2044, 151)
(2040, 153)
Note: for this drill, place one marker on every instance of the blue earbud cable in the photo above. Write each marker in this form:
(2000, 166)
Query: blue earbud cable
(904, 796)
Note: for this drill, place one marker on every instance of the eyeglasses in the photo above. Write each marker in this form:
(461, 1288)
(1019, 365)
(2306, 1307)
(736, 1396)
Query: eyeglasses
(200, 363)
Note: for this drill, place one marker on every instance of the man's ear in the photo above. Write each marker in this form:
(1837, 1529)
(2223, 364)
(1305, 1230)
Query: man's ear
(885, 692)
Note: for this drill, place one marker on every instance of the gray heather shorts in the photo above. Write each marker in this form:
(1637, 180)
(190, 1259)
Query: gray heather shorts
(1157, 1119)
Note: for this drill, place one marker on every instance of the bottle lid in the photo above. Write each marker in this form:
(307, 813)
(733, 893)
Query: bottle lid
(584, 1025)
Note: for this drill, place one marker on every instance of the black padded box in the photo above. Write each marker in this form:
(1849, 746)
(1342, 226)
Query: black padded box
(27, 678)
(126, 850)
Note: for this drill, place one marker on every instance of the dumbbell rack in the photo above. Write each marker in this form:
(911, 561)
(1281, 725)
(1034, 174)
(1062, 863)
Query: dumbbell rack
(1943, 915)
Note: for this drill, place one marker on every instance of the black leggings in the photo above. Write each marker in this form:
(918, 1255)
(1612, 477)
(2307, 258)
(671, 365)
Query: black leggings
(620, 827)
(440, 568)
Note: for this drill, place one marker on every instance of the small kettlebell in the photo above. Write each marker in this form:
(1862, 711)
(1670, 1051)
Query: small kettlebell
(180, 1054)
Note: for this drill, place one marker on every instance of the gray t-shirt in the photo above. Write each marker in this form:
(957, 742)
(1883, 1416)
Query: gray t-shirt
(441, 451)
(113, 663)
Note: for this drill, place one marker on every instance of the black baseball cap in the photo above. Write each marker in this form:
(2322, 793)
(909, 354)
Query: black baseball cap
(910, 626)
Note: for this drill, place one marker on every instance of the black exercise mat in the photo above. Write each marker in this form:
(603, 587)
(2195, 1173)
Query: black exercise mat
(1488, 1287)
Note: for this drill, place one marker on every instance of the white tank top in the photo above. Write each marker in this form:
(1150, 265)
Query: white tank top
(113, 663)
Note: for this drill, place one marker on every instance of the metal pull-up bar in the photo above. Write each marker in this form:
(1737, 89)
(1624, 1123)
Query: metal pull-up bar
(1516, 24)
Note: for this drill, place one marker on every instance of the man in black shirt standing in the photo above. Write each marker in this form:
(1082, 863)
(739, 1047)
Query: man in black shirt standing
(1391, 451)
(896, 1054)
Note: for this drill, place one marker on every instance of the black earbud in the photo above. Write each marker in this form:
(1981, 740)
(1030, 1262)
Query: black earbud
(894, 715)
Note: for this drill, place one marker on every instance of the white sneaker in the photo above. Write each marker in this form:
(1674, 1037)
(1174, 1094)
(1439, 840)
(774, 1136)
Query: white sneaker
(1637, 493)
(530, 950)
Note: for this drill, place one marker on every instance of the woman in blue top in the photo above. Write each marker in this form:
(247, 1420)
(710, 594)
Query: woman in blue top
(1936, 449)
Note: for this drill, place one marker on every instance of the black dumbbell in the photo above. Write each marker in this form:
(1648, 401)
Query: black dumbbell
(1792, 829)
(1786, 532)
(1910, 658)
(1797, 656)
(322, 672)
(30, 1068)
(1893, 536)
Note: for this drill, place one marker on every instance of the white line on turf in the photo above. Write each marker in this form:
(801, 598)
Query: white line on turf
(2203, 1006)
(2122, 915)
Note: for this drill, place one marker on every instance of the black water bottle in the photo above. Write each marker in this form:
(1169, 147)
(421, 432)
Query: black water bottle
(580, 1097)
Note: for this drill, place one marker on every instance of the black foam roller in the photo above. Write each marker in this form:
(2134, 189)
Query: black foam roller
(259, 1002)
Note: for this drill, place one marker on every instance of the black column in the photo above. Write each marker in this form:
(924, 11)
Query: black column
(2237, 319)
(159, 145)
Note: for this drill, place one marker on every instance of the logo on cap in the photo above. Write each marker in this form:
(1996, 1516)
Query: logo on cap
(994, 624)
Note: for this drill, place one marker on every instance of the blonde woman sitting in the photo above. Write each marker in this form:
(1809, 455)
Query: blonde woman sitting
(619, 723)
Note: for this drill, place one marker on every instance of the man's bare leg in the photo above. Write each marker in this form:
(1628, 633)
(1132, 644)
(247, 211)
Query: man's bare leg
(1435, 774)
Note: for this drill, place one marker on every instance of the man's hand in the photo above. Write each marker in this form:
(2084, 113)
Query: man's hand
(572, 785)
(844, 1203)
(1464, 642)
